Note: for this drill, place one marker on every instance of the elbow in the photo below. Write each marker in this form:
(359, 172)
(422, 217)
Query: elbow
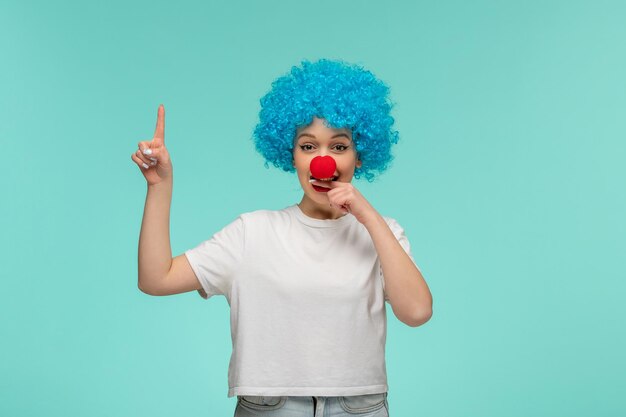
(421, 317)
(144, 289)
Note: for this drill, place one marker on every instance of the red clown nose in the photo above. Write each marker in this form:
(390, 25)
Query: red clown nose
(323, 166)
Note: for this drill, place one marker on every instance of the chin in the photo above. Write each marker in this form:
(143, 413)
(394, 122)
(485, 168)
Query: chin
(319, 198)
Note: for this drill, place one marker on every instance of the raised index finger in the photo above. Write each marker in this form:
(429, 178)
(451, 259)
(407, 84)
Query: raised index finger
(159, 132)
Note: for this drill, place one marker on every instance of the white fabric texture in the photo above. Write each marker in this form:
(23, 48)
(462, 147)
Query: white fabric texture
(307, 302)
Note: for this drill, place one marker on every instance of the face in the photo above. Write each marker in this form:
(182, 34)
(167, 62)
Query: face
(318, 140)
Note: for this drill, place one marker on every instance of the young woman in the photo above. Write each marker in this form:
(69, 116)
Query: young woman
(306, 284)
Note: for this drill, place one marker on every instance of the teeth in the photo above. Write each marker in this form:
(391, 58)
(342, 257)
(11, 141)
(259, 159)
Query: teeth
(323, 179)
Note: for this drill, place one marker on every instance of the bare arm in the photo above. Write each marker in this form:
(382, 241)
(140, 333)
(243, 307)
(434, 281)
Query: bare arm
(159, 274)
(409, 295)
(155, 252)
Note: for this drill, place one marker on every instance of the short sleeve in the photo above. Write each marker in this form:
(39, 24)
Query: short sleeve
(215, 261)
(398, 232)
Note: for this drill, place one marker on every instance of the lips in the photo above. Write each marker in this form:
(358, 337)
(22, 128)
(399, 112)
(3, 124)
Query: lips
(320, 189)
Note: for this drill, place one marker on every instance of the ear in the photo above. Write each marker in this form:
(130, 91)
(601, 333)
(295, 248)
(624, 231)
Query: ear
(358, 163)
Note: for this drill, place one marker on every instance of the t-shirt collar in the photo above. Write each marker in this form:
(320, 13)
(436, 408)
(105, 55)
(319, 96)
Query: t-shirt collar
(310, 221)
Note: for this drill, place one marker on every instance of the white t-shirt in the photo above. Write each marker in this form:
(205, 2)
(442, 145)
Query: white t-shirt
(307, 302)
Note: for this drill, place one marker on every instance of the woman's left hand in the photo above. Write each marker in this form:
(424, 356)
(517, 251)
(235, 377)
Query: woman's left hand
(346, 197)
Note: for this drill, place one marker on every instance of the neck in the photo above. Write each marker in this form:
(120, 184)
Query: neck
(319, 211)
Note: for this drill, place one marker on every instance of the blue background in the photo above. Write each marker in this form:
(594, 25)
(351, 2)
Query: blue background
(508, 179)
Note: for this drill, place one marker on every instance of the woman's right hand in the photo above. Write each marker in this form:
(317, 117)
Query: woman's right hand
(152, 156)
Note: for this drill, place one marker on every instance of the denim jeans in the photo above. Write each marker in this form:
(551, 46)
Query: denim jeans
(368, 405)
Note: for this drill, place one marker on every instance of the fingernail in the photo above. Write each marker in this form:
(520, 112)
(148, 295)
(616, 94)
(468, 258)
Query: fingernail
(153, 159)
(145, 166)
(153, 163)
(147, 151)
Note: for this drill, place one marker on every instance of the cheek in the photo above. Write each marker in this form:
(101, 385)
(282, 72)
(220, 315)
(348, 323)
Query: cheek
(348, 164)
(302, 169)
(302, 164)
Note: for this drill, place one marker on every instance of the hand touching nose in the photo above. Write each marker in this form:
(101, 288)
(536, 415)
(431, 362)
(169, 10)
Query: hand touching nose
(152, 156)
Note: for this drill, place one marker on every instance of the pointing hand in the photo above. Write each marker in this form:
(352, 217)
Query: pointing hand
(152, 156)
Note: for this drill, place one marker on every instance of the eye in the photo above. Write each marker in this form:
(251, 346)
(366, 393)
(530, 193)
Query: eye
(338, 147)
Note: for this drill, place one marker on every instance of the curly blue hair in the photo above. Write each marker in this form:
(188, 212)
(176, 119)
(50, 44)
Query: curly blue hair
(345, 95)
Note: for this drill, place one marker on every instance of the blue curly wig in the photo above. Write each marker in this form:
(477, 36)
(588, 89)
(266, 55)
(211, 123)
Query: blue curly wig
(345, 95)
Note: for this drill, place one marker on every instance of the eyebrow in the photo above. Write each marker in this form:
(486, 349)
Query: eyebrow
(313, 136)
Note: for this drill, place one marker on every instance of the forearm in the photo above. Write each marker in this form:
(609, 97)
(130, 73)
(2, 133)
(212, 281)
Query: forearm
(405, 286)
(155, 252)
